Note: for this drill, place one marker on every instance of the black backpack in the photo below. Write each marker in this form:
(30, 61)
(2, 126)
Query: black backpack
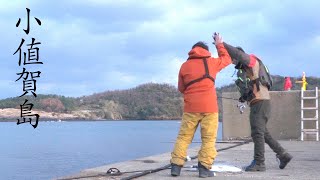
(245, 85)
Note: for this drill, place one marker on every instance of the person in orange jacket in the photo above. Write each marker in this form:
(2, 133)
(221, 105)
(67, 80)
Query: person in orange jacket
(197, 83)
(287, 84)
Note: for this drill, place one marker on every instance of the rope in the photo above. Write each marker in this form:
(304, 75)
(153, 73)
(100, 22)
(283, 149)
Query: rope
(110, 172)
(117, 172)
(168, 165)
(228, 98)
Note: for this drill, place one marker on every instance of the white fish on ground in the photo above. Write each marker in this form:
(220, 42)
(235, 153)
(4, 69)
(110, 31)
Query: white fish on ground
(225, 168)
(188, 158)
(217, 167)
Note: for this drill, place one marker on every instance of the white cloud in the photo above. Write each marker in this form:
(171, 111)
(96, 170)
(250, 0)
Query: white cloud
(77, 34)
(225, 76)
(12, 5)
(96, 48)
(15, 88)
(102, 2)
(317, 39)
(120, 77)
(46, 87)
(168, 71)
(75, 89)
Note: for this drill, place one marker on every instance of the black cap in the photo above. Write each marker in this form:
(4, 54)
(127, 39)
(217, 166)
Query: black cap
(202, 45)
(240, 48)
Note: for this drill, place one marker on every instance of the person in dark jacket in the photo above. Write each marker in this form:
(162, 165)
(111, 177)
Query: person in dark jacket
(260, 109)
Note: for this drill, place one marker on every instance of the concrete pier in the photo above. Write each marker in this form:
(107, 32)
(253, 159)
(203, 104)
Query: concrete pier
(285, 120)
(304, 165)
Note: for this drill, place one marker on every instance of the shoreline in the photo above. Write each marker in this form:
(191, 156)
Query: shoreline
(11, 114)
(88, 120)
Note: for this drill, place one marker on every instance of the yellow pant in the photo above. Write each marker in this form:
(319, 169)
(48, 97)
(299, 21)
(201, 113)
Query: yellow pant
(189, 124)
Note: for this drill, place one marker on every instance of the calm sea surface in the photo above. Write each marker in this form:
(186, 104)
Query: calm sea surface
(56, 149)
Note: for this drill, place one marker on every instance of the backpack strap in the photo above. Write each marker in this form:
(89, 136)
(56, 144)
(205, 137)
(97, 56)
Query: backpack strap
(206, 75)
(264, 78)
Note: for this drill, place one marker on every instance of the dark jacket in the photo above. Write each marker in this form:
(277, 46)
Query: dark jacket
(251, 67)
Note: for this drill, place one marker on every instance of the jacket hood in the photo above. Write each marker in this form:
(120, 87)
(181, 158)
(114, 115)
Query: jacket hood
(198, 52)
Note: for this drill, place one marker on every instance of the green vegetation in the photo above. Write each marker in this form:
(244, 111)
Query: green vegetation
(147, 101)
(50, 103)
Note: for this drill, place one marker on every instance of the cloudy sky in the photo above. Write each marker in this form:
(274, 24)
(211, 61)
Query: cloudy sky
(90, 46)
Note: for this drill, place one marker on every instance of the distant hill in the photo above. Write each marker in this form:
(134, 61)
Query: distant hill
(145, 102)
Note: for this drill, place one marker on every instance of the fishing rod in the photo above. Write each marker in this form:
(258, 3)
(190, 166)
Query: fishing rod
(241, 105)
(221, 97)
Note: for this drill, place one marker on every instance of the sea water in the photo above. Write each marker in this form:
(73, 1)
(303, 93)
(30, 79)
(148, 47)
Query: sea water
(56, 149)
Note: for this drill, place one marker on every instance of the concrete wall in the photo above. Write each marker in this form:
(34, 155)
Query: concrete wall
(285, 122)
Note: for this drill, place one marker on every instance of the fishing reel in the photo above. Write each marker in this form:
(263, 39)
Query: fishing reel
(241, 106)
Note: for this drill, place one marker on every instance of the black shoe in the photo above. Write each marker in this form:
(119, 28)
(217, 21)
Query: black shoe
(204, 172)
(255, 166)
(285, 158)
(175, 170)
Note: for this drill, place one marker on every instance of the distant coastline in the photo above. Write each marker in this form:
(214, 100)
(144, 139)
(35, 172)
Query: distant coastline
(87, 120)
(12, 114)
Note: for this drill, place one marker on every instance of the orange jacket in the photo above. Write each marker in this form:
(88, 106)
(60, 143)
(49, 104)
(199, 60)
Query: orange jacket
(201, 96)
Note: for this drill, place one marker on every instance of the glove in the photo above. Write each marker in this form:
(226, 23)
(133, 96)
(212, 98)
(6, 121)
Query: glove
(242, 99)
